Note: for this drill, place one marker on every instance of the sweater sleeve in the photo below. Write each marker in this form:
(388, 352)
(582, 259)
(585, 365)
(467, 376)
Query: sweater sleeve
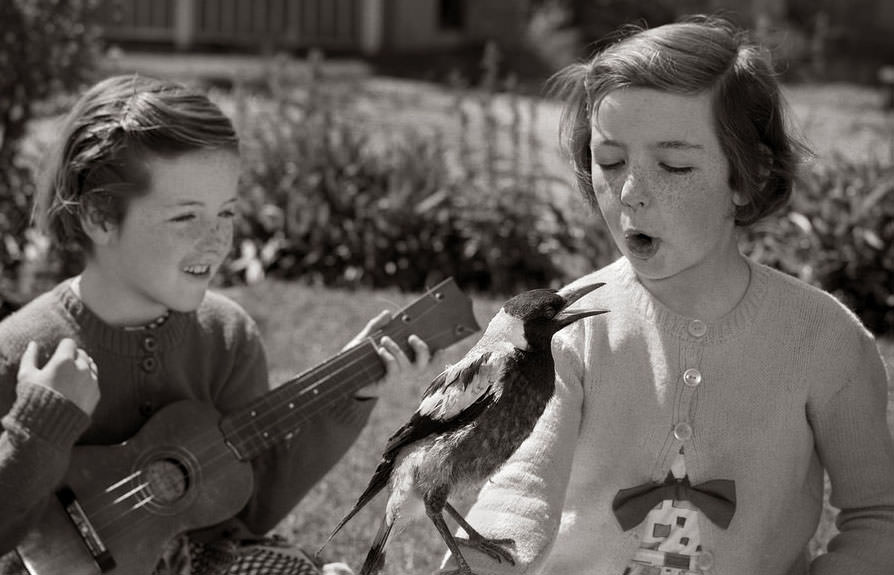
(854, 442)
(524, 499)
(39, 430)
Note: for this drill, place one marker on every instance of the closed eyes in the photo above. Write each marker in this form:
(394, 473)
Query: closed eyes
(611, 166)
(676, 169)
(226, 214)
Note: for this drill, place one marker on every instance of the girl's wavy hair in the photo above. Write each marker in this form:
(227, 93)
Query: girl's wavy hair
(697, 54)
(113, 128)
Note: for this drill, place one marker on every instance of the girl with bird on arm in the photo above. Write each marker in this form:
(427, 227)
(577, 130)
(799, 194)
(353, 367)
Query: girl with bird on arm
(144, 183)
(691, 426)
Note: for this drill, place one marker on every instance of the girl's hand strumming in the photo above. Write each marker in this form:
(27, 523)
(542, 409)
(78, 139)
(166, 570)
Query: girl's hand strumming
(70, 372)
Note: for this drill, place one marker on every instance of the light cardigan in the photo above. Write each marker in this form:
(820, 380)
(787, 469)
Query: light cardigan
(214, 355)
(791, 383)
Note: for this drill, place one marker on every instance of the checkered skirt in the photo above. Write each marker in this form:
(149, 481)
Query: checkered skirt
(271, 556)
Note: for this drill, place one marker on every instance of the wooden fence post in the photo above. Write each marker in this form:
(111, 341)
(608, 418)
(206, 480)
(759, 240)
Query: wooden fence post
(886, 78)
(184, 24)
(372, 21)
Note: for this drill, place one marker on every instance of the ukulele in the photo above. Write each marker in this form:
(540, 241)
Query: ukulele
(189, 466)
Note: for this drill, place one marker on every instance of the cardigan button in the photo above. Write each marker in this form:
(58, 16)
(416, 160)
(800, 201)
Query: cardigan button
(150, 344)
(146, 408)
(683, 431)
(697, 328)
(149, 364)
(705, 560)
(692, 377)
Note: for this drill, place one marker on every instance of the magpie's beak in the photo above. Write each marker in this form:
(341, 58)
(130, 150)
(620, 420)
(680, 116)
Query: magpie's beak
(567, 316)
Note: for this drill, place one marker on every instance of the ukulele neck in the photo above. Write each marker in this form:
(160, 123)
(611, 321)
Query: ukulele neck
(279, 413)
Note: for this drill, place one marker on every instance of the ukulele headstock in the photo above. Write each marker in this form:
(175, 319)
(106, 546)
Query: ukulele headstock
(441, 316)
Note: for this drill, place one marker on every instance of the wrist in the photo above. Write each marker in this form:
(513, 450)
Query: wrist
(45, 413)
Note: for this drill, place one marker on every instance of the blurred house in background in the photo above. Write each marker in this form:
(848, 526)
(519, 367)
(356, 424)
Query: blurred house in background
(347, 26)
(827, 38)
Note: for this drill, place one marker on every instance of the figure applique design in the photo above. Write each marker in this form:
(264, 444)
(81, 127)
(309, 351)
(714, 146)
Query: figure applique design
(670, 540)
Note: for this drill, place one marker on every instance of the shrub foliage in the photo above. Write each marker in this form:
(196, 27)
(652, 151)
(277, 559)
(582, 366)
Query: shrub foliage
(839, 235)
(47, 47)
(332, 199)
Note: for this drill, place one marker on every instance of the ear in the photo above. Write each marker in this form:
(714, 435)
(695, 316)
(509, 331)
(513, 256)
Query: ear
(98, 229)
(765, 167)
(740, 199)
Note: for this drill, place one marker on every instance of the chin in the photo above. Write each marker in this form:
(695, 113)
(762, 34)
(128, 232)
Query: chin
(186, 304)
(652, 269)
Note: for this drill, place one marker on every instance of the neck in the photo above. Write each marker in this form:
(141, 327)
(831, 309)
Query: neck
(706, 292)
(101, 295)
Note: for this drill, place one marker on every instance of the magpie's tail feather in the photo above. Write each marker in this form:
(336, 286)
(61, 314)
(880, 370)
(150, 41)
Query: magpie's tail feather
(377, 483)
(375, 559)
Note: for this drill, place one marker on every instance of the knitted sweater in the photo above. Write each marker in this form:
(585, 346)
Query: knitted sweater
(787, 384)
(213, 355)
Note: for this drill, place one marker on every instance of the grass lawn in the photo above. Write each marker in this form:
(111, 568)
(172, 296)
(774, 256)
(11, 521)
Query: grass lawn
(304, 326)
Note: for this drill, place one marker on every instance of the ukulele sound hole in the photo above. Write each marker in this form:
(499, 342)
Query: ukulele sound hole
(167, 480)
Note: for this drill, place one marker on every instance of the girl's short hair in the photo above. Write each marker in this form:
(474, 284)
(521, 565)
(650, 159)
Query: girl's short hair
(689, 57)
(113, 128)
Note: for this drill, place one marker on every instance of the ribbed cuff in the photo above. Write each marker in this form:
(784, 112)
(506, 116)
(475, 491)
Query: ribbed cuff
(41, 412)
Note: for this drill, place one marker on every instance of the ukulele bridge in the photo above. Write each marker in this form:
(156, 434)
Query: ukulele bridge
(98, 550)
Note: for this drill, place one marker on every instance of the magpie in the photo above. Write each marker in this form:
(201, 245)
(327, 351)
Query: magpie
(471, 419)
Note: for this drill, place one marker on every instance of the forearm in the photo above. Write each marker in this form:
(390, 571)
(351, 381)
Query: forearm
(864, 545)
(854, 442)
(524, 499)
(35, 447)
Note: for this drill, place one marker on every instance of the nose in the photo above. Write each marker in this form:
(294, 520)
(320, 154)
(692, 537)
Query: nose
(635, 190)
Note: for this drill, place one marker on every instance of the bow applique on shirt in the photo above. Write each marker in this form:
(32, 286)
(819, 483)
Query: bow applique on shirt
(715, 498)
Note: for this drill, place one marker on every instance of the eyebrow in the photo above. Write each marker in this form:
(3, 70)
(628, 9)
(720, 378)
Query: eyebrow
(679, 145)
(664, 145)
(190, 203)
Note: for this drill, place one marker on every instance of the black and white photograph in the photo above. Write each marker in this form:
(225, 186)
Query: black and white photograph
(446, 287)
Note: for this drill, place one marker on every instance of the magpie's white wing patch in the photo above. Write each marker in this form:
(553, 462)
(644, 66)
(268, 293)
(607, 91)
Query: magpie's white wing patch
(461, 384)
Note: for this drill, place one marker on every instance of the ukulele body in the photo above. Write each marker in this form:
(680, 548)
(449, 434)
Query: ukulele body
(119, 505)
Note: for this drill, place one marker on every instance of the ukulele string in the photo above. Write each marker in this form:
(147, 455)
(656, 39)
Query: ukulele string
(211, 436)
(289, 395)
(322, 389)
(313, 406)
(307, 406)
(133, 487)
(320, 392)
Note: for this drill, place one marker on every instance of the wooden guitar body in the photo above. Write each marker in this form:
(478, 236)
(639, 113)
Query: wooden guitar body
(176, 474)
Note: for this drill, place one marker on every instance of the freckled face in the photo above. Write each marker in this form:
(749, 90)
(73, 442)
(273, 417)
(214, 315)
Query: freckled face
(662, 181)
(172, 239)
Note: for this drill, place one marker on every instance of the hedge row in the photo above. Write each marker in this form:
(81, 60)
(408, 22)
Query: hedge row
(839, 235)
(332, 200)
